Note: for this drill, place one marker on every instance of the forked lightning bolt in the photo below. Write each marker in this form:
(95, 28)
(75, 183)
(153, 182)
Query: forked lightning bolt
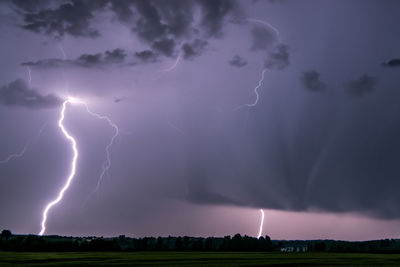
(173, 66)
(255, 92)
(73, 165)
(15, 155)
(261, 224)
(22, 152)
(107, 164)
(265, 23)
(72, 140)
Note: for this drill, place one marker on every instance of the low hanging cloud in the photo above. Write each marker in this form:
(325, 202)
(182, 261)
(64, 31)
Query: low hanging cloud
(278, 59)
(18, 93)
(71, 18)
(393, 63)
(363, 85)
(194, 49)
(237, 61)
(146, 56)
(98, 60)
(311, 81)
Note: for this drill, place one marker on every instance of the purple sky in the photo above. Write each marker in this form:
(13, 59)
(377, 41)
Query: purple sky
(319, 152)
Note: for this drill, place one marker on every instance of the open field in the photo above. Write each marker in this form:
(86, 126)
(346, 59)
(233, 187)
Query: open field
(196, 259)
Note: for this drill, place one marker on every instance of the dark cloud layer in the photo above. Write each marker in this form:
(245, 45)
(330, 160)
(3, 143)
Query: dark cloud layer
(161, 24)
(278, 59)
(312, 82)
(18, 93)
(69, 18)
(237, 61)
(98, 60)
(146, 56)
(193, 49)
(364, 85)
(393, 63)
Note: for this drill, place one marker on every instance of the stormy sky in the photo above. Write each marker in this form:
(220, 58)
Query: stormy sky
(198, 153)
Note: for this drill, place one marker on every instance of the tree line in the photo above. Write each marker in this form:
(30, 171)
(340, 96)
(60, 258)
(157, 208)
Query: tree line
(10, 242)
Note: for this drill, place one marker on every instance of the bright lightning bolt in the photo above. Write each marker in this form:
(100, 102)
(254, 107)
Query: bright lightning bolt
(73, 165)
(72, 140)
(261, 224)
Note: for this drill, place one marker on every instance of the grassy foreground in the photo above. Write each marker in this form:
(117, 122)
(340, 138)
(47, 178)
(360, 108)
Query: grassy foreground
(195, 259)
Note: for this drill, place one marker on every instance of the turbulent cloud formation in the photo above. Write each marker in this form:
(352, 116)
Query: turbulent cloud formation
(146, 56)
(194, 49)
(311, 81)
(278, 59)
(213, 14)
(161, 24)
(165, 46)
(113, 57)
(17, 93)
(237, 61)
(263, 38)
(364, 85)
(190, 144)
(69, 18)
(392, 63)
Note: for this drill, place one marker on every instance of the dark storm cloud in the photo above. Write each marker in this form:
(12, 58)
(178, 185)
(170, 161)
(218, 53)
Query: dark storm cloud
(312, 82)
(48, 63)
(194, 49)
(69, 18)
(262, 38)
(32, 5)
(364, 85)
(214, 12)
(146, 56)
(165, 46)
(161, 24)
(393, 63)
(237, 61)
(116, 56)
(18, 93)
(279, 59)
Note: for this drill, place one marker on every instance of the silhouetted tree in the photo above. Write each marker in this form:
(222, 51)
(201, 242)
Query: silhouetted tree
(6, 234)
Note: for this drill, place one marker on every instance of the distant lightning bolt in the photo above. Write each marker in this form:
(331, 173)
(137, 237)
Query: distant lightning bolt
(266, 24)
(173, 66)
(261, 224)
(260, 82)
(15, 155)
(22, 152)
(29, 75)
(255, 92)
(106, 165)
(60, 47)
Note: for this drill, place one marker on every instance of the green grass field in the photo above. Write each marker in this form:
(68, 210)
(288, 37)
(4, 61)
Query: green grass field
(195, 259)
